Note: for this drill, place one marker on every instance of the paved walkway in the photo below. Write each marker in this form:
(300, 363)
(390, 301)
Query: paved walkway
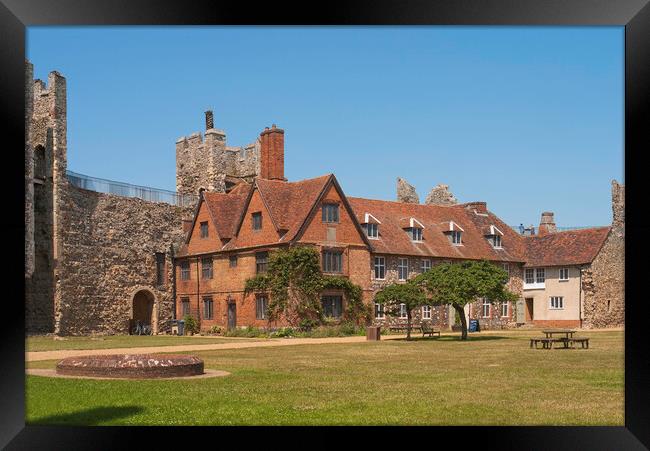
(62, 354)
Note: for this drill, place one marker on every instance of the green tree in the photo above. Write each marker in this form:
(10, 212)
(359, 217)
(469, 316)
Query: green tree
(409, 294)
(295, 281)
(458, 284)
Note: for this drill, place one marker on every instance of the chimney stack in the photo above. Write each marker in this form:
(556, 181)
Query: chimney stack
(209, 120)
(547, 224)
(272, 154)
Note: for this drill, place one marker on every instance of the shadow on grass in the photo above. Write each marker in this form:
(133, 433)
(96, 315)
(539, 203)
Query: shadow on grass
(455, 338)
(89, 417)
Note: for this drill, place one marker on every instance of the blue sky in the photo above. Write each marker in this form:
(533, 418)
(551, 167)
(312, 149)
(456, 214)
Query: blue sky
(528, 119)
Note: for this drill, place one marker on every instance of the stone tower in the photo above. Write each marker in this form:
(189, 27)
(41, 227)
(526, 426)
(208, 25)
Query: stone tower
(208, 163)
(45, 172)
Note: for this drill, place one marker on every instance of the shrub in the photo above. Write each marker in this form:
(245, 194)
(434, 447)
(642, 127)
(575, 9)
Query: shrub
(216, 330)
(307, 324)
(190, 324)
(283, 332)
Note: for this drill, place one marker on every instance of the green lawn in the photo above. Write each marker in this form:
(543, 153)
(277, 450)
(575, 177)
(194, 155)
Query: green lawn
(48, 343)
(492, 379)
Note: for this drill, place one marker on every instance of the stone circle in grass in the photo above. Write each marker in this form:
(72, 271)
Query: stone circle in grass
(131, 366)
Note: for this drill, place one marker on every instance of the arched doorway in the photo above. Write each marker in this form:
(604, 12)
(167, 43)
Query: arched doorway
(143, 302)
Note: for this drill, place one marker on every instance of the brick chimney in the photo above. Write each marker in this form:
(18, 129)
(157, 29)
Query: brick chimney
(547, 224)
(272, 154)
(209, 120)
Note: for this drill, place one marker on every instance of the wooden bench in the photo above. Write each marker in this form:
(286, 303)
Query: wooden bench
(399, 327)
(584, 342)
(547, 343)
(427, 329)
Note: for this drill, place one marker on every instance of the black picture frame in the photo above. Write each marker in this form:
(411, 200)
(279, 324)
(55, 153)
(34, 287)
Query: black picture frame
(15, 15)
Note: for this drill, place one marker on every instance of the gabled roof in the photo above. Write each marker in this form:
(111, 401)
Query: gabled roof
(226, 209)
(572, 247)
(436, 220)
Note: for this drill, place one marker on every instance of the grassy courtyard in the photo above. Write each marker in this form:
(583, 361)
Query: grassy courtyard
(49, 343)
(492, 379)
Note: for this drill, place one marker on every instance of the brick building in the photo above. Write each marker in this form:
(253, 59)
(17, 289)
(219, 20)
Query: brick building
(96, 261)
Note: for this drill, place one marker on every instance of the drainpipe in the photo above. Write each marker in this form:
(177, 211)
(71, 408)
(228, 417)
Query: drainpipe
(580, 298)
(171, 252)
(198, 293)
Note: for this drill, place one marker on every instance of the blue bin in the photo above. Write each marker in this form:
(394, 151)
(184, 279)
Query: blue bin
(181, 327)
(474, 326)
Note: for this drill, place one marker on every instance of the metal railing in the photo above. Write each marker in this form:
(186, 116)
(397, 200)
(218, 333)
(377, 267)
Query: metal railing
(127, 190)
(559, 229)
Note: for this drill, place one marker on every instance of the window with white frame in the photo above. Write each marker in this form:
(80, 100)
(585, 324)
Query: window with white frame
(379, 310)
(380, 268)
(504, 308)
(208, 309)
(506, 268)
(403, 269)
(495, 240)
(416, 234)
(372, 230)
(485, 308)
(402, 311)
(426, 265)
(564, 274)
(456, 237)
(261, 307)
(534, 278)
(426, 312)
(557, 303)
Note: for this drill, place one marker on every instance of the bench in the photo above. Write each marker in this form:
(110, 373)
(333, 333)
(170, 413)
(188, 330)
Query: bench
(427, 329)
(399, 327)
(547, 343)
(584, 342)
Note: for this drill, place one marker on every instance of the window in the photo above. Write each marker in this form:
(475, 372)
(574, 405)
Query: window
(486, 308)
(534, 278)
(233, 261)
(506, 268)
(426, 312)
(455, 237)
(332, 306)
(402, 311)
(160, 268)
(403, 269)
(330, 213)
(372, 230)
(530, 275)
(207, 307)
(495, 240)
(332, 261)
(206, 268)
(204, 229)
(261, 262)
(261, 306)
(379, 311)
(504, 308)
(380, 268)
(185, 270)
(557, 303)
(416, 234)
(185, 306)
(426, 265)
(257, 221)
(564, 274)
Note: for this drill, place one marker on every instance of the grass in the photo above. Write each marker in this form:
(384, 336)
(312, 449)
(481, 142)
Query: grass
(492, 379)
(48, 343)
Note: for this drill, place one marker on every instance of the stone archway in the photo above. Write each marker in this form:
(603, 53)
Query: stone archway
(143, 303)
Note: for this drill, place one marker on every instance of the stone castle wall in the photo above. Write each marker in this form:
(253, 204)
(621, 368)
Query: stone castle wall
(603, 282)
(108, 254)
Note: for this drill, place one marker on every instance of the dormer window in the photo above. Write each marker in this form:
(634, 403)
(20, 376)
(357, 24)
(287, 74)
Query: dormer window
(456, 237)
(371, 226)
(416, 234)
(454, 232)
(494, 235)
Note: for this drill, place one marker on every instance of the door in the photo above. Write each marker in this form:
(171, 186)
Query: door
(529, 309)
(232, 315)
(521, 311)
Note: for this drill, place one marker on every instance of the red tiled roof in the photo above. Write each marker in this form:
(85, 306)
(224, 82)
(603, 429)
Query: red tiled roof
(573, 247)
(435, 218)
(226, 209)
(289, 203)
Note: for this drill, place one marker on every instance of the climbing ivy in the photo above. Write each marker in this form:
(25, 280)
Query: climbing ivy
(295, 281)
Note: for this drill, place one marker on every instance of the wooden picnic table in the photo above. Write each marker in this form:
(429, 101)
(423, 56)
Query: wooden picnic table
(568, 333)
